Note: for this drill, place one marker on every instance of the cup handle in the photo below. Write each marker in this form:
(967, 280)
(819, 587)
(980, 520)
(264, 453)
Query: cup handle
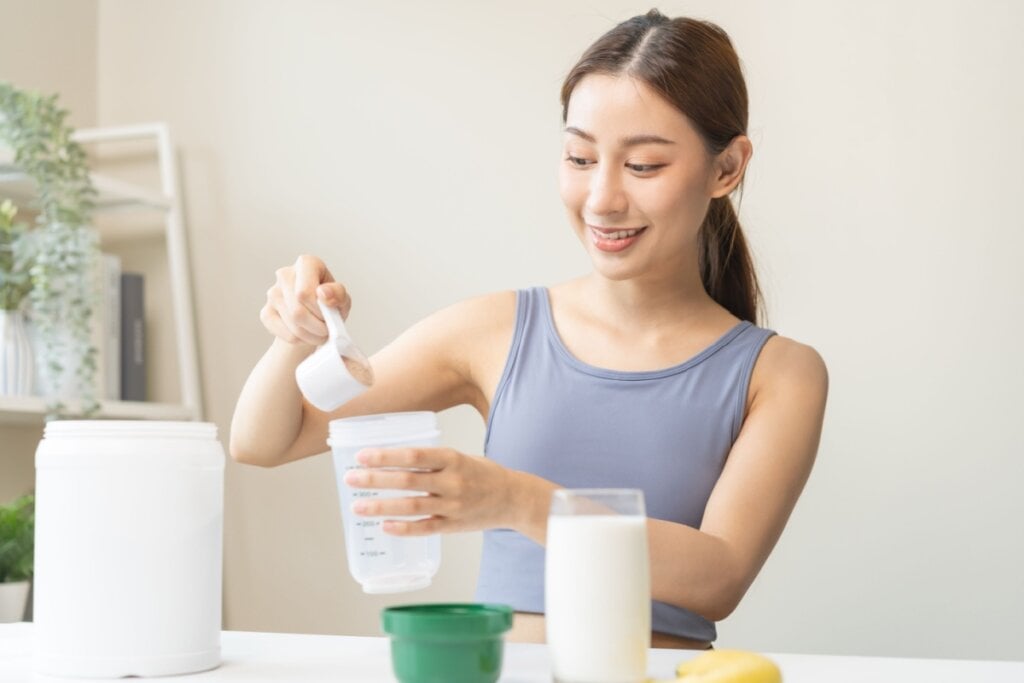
(338, 335)
(335, 325)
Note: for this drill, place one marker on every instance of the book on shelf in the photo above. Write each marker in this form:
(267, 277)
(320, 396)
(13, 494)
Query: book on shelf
(133, 337)
(109, 323)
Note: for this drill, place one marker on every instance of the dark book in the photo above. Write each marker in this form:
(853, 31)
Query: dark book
(133, 338)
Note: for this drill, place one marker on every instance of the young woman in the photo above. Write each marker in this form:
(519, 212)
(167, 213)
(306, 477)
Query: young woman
(648, 372)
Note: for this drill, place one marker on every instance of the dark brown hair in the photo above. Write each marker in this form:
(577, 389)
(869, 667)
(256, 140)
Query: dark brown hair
(693, 65)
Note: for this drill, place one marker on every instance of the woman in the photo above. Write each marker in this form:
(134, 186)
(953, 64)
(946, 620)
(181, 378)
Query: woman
(648, 372)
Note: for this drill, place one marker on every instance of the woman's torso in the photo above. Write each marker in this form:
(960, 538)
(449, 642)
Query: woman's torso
(575, 330)
(695, 394)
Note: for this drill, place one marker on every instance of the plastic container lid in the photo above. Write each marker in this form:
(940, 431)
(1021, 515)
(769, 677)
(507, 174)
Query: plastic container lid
(126, 429)
(447, 620)
(384, 428)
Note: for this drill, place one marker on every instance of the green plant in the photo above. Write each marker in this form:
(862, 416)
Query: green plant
(15, 258)
(17, 539)
(63, 248)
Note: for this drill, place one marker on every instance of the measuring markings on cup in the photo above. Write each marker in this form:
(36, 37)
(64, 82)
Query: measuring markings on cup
(369, 528)
(379, 561)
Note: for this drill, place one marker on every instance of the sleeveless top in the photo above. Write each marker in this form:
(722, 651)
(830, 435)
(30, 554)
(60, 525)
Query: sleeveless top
(667, 432)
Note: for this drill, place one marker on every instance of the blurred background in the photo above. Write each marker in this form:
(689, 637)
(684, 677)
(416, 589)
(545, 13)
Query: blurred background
(413, 146)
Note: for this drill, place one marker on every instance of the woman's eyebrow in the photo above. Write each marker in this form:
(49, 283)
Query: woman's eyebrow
(631, 141)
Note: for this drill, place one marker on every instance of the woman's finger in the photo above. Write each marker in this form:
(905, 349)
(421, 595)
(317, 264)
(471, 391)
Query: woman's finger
(421, 527)
(299, 332)
(335, 295)
(408, 506)
(298, 315)
(415, 458)
(406, 480)
(279, 326)
(272, 321)
(309, 273)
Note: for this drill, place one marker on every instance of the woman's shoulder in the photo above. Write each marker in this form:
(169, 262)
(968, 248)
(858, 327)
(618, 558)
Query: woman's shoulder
(786, 365)
(484, 310)
(479, 331)
(470, 323)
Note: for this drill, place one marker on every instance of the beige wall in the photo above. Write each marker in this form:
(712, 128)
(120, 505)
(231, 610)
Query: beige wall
(50, 46)
(414, 147)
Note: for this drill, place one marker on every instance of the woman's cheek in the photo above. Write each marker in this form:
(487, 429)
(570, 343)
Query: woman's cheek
(571, 188)
(673, 200)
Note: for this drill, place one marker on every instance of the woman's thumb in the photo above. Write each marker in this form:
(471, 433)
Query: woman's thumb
(324, 294)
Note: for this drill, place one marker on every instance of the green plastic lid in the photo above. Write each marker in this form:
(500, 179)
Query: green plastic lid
(447, 620)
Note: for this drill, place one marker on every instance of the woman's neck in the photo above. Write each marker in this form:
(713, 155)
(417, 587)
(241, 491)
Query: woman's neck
(648, 301)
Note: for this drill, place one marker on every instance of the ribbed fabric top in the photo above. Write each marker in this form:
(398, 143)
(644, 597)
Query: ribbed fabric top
(667, 432)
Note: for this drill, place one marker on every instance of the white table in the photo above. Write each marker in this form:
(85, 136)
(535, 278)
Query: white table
(264, 657)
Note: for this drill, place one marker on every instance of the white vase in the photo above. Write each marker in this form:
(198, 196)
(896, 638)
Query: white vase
(13, 600)
(16, 365)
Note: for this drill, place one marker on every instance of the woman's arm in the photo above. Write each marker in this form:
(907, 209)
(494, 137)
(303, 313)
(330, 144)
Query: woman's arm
(705, 570)
(709, 570)
(425, 368)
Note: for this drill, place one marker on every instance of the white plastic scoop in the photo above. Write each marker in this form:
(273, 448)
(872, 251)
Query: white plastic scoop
(337, 371)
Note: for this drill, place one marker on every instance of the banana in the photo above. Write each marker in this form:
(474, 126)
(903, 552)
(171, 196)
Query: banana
(727, 666)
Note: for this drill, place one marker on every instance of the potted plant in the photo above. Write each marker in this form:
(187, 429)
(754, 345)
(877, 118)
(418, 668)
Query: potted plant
(15, 256)
(17, 541)
(58, 252)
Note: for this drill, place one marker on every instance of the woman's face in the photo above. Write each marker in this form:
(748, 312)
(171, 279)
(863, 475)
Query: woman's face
(634, 178)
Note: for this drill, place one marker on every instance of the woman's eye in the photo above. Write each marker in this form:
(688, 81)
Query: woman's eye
(578, 161)
(644, 168)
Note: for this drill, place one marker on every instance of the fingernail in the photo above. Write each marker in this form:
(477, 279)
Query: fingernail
(355, 478)
(363, 456)
(359, 508)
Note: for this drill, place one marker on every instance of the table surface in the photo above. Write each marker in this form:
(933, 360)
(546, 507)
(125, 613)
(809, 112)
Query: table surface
(258, 657)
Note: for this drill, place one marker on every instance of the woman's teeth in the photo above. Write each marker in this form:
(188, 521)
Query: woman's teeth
(618, 235)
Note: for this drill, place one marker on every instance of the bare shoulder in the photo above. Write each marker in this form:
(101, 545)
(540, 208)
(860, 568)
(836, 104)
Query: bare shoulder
(495, 309)
(786, 366)
(469, 335)
(478, 333)
(474, 320)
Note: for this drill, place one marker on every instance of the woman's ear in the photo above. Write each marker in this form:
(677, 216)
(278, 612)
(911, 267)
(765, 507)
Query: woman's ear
(729, 165)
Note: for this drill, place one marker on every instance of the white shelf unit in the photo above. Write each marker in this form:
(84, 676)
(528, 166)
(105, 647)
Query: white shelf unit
(16, 410)
(118, 196)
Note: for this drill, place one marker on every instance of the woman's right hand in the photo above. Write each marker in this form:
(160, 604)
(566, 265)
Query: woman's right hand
(291, 312)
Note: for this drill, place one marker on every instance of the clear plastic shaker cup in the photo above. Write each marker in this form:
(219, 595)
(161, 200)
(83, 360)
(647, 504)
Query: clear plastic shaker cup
(380, 562)
(337, 371)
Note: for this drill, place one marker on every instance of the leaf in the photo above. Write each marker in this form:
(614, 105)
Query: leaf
(17, 539)
(35, 127)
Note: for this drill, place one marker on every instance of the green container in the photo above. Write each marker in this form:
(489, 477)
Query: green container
(447, 643)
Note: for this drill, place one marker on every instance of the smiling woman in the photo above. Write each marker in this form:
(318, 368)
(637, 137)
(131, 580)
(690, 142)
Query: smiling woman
(616, 187)
(658, 69)
(650, 372)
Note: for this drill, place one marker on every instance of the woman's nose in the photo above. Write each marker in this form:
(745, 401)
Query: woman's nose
(606, 195)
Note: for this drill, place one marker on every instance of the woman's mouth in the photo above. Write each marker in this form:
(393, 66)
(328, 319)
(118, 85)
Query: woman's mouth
(614, 239)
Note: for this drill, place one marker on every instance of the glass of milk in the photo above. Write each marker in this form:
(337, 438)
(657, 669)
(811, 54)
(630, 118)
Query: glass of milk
(598, 586)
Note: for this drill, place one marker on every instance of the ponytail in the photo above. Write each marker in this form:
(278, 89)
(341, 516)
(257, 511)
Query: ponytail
(726, 268)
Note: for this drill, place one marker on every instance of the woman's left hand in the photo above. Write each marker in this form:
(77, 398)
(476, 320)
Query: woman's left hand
(465, 493)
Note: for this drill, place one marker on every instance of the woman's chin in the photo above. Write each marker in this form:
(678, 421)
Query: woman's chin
(615, 271)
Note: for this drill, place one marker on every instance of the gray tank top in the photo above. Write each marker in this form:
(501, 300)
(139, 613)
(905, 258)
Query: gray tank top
(667, 432)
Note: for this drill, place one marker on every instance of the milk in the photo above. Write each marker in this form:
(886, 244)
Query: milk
(598, 598)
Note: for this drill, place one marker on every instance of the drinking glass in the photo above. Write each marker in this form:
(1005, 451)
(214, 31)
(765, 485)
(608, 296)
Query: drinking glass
(598, 586)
